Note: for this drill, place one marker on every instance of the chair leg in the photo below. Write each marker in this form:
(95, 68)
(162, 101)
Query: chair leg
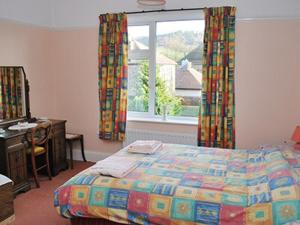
(82, 147)
(34, 171)
(71, 153)
(48, 164)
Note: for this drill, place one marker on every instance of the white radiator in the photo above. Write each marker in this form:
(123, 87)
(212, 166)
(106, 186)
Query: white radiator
(166, 137)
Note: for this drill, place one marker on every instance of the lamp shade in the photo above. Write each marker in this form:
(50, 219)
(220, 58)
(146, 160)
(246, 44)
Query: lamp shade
(296, 134)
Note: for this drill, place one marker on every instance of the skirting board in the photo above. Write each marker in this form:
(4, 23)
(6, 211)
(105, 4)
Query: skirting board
(91, 156)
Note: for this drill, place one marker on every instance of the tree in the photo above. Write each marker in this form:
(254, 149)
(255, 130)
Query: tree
(163, 96)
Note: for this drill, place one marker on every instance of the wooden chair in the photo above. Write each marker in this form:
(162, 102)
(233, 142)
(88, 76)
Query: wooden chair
(38, 138)
(70, 138)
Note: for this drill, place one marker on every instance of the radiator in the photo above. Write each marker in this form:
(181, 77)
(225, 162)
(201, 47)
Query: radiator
(166, 137)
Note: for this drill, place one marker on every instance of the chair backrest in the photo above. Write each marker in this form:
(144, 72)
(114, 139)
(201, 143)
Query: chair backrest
(39, 135)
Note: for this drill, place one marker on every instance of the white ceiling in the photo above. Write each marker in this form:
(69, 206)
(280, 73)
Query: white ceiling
(38, 12)
(77, 13)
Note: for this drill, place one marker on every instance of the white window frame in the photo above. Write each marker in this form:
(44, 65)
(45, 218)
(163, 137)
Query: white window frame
(151, 19)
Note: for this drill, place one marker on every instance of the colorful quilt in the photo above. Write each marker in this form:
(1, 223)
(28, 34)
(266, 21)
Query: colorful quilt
(189, 185)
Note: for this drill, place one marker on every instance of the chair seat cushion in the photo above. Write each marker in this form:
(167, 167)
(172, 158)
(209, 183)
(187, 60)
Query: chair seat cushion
(37, 150)
(72, 136)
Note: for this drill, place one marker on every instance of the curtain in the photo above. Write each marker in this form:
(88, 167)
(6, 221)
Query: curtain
(11, 105)
(113, 66)
(216, 126)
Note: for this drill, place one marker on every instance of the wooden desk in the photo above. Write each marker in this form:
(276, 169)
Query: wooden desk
(13, 162)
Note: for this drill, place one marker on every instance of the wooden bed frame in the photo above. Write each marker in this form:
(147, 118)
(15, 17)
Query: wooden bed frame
(91, 221)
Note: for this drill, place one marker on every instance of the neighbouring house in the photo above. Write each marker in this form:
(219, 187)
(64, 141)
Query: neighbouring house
(167, 70)
(188, 83)
(167, 66)
(182, 80)
(195, 57)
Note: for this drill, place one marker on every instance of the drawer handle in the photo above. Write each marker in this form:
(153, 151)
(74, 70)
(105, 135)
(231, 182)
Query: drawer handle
(15, 146)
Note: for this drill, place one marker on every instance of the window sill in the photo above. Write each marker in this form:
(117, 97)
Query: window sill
(169, 120)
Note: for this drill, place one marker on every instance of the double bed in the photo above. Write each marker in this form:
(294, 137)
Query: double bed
(189, 185)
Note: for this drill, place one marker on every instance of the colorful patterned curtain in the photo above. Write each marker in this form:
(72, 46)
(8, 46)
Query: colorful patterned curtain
(113, 66)
(11, 105)
(217, 112)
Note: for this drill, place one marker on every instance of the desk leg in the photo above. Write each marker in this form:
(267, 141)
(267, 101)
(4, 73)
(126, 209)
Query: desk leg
(71, 153)
(82, 147)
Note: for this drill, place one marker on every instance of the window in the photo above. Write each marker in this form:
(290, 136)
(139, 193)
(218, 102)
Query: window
(164, 66)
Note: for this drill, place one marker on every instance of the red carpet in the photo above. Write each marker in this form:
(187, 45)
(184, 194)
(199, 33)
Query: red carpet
(35, 207)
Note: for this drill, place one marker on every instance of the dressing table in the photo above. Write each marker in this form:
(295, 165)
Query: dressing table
(13, 144)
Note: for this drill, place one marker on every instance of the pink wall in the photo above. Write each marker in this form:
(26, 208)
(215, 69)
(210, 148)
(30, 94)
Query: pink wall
(267, 90)
(267, 81)
(77, 93)
(29, 46)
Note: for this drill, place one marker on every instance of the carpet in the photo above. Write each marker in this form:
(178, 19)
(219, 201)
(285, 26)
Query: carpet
(35, 207)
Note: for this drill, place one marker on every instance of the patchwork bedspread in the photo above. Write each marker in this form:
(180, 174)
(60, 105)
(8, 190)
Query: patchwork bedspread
(191, 185)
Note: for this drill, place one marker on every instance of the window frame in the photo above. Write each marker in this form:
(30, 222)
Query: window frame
(151, 20)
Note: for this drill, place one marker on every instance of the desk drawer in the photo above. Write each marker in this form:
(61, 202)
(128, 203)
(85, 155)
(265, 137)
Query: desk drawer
(14, 141)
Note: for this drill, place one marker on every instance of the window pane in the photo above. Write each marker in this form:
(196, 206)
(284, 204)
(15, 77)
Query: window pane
(138, 37)
(138, 69)
(138, 86)
(178, 67)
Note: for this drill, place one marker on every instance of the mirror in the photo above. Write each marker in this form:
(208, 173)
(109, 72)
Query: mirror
(14, 100)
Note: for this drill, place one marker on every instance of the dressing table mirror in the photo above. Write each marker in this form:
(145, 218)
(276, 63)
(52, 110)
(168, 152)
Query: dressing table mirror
(14, 95)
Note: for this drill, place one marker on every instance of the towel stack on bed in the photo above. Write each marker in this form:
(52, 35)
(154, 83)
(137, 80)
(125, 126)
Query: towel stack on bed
(115, 166)
(120, 166)
(144, 147)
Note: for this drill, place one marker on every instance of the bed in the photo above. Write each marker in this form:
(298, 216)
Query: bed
(189, 185)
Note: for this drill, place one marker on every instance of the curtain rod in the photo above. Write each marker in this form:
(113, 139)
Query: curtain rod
(164, 10)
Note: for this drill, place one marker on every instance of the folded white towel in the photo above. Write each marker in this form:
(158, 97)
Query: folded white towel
(4, 180)
(115, 166)
(144, 147)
